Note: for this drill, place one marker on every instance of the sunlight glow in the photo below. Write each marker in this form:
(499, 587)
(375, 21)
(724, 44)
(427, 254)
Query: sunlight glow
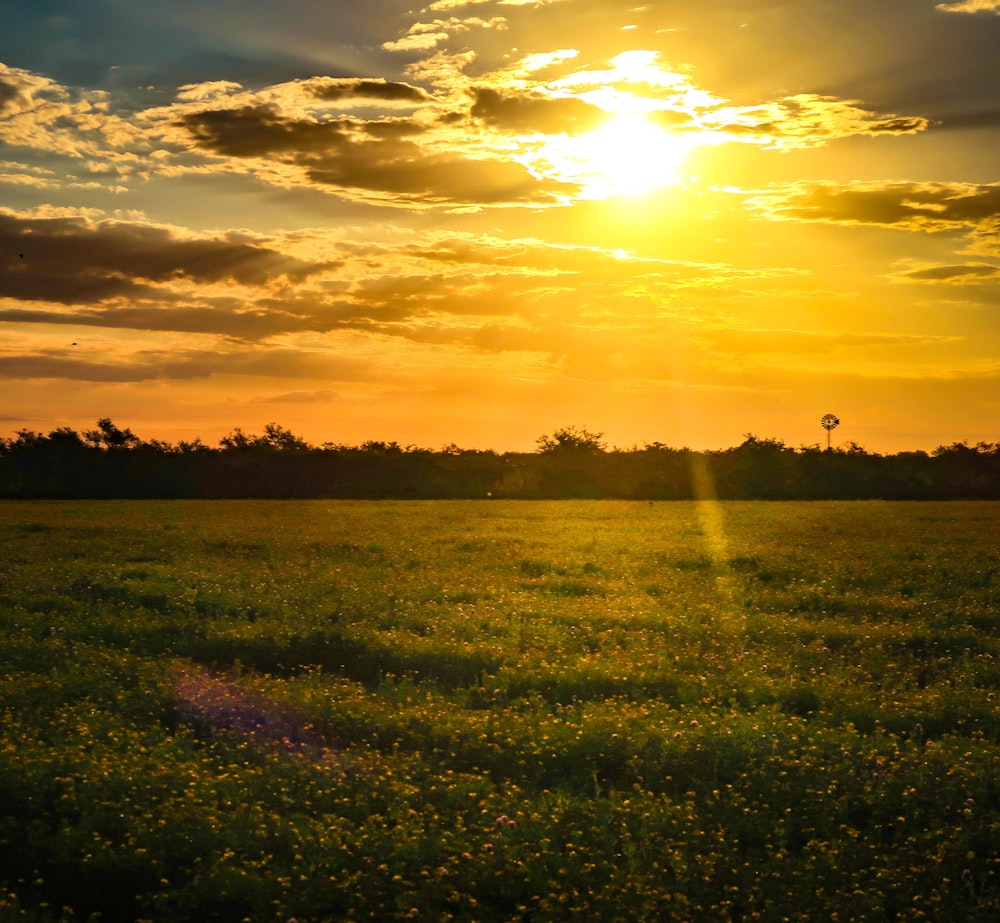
(627, 156)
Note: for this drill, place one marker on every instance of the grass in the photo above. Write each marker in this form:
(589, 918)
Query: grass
(495, 711)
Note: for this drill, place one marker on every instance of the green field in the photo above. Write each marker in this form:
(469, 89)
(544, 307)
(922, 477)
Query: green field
(499, 711)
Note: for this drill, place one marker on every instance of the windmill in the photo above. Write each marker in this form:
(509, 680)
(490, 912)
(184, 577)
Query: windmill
(829, 422)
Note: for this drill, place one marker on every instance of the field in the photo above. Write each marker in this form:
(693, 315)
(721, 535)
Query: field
(499, 711)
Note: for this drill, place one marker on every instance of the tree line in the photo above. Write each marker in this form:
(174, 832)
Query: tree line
(572, 462)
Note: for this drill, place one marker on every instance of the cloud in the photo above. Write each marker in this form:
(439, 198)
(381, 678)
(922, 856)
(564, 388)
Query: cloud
(347, 90)
(971, 6)
(209, 89)
(806, 120)
(42, 367)
(78, 260)
(910, 206)
(479, 292)
(454, 4)
(424, 36)
(259, 131)
(457, 146)
(100, 270)
(407, 174)
(37, 112)
(957, 274)
(246, 324)
(126, 275)
(639, 81)
(31, 179)
(369, 157)
(416, 41)
(9, 95)
(268, 362)
(541, 259)
(546, 115)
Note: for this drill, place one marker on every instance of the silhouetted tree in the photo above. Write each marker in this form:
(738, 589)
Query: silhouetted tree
(111, 461)
(109, 436)
(571, 462)
(571, 439)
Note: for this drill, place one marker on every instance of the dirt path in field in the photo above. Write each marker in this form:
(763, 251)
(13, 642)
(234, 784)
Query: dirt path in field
(211, 700)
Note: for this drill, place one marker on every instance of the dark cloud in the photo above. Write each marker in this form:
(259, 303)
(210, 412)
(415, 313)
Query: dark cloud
(8, 93)
(369, 306)
(73, 260)
(246, 325)
(187, 365)
(372, 156)
(404, 169)
(72, 286)
(259, 131)
(374, 305)
(536, 113)
(387, 129)
(915, 206)
(897, 126)
(273, 362)
(382, 90)
(33, 367)
(964, 272)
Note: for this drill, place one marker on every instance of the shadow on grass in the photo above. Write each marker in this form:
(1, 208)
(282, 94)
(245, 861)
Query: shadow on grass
(346, 656)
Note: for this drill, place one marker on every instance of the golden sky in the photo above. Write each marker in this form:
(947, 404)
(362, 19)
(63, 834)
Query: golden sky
(478, 221)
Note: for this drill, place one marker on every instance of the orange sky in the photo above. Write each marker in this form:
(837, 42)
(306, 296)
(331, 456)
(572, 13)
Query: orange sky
(482, 220)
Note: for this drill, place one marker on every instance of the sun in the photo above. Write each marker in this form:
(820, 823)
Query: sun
(627, 156)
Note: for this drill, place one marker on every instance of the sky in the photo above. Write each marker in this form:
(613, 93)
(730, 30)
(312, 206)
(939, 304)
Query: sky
(475, 222)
